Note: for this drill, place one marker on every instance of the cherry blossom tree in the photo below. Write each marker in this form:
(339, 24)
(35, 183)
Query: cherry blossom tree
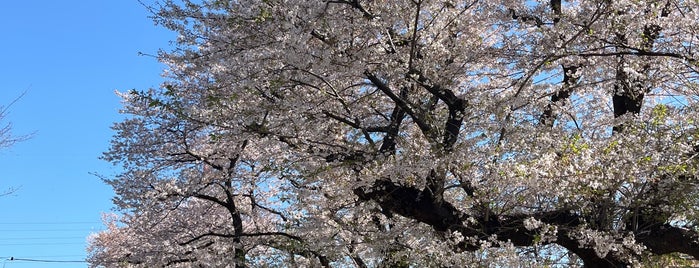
(352, 133)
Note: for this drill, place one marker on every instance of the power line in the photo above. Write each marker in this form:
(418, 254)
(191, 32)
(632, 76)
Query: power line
(50, 223)
(50, 230)
(73, 256)
(39, 238)
(11, 259)
(41, 244)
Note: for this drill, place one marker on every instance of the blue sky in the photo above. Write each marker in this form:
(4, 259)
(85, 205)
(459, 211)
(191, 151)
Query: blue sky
(69, 57)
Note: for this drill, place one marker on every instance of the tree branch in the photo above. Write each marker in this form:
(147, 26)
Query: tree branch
(444, 217)
(355, 4)
(456, 106)
(664, 239)
(400, 102)
(214, 234)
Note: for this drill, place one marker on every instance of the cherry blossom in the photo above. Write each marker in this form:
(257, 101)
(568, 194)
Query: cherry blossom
(353, 133)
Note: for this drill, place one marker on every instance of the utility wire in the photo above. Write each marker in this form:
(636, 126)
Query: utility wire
(49, 230)
(50, 223)
(42, 244)
(11, 259)
(49, 257)
(38, 238)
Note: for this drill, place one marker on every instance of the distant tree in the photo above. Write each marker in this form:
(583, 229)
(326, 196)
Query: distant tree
(7, 139)
(353, 133)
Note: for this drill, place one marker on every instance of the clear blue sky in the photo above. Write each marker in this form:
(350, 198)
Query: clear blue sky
(69, 56)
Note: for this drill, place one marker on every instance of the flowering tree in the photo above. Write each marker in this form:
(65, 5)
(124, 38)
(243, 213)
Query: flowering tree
(412, 133)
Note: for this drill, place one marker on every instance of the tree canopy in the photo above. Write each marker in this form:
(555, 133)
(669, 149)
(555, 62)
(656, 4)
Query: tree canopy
(354, 133)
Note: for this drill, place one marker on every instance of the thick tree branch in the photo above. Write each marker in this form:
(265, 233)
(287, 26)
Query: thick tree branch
(355, 4)
(444, 217)
(456, 106)
(558, 98)
(665, 239)
(639, 52)
(400, 102)
(388, 146)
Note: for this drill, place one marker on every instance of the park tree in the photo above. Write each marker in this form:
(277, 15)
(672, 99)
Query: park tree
(412, 133)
